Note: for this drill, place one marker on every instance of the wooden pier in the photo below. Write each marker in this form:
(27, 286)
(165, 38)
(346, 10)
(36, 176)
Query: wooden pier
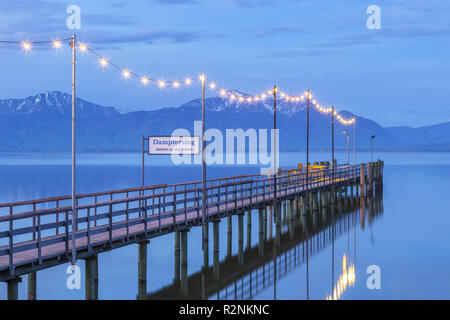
(37, 234)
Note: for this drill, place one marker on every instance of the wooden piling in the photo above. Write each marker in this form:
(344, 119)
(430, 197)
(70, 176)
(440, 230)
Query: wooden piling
(261, 232)
(184, 263)
(89, 287)
(216, 270)
(13, 288)
(176, 276)
(142, 270)
(31, 286)
(206, 246)
(249, 229)
(241, 240)
(362, 181)
(229, 235)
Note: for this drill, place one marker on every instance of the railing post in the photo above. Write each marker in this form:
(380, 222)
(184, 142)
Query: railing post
(110, 225)
(11, 242)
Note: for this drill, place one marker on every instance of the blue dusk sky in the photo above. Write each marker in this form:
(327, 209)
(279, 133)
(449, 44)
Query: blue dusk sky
(398, 75)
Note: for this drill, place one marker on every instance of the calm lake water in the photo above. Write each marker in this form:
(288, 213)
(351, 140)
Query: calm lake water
(405, 233)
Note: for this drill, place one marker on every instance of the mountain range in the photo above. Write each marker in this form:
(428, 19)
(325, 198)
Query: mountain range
(43, 123)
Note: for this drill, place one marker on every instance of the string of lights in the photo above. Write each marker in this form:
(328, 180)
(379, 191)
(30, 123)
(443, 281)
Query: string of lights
(231, 95)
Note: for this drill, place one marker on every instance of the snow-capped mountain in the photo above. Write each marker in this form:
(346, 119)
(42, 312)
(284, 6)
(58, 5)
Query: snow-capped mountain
(43, 122)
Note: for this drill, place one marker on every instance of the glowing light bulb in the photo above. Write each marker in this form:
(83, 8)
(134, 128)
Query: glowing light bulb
(144, 80)
(161, 83)
(103, 62)
(188, 81)
(176, 84)
(241, 99)
(223, 92)
(26, 46)
(202, 77)
(233, 97)
(212, 85)
(83, 47)
(57, 44)
(126, 74)
(263, 96)
(249, 99)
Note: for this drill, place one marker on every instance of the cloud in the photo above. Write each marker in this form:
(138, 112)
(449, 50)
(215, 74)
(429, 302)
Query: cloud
(146, 37)
(269, 31)
(175, 1)
(108, 19)
(253, 3)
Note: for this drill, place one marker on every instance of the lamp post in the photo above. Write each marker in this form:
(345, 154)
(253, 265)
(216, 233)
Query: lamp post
(332, 136)
(74, 200)
(348, 154)
(307, 144)
(275, 171)
(354, 140)
(204, 199)
(371, 147)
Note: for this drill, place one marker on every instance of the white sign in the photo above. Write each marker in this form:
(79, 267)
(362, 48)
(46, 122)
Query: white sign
(173, 145)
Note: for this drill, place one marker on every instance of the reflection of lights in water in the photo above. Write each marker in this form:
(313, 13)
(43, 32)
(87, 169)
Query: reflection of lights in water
(347, 278)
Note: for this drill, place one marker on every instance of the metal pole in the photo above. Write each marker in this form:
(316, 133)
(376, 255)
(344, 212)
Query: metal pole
(307, 140)
(332, 136)
(371, 139)
(348, 153)
(141, 193)
(74, 209)
(143, 161)
(203, 77)
(274, 151)
(354, 138)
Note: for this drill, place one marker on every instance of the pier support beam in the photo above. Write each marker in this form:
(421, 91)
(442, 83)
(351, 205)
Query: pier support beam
(13, 288)
(261, 232)
(91, 285)
(176, 276)
(316, 201)
(206, 248)
(362, 180)
(265, 222)
(362, 211)
(241, 240)
(216, 270)
(184, 263)
(31, 286)
(96, 277)
(370, 180)
(303, 210)
(249, 229)
(278, 224)
(229, 236)
(142, 270)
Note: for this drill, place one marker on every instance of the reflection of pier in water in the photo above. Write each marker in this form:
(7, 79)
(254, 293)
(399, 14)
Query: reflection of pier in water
(249, 272)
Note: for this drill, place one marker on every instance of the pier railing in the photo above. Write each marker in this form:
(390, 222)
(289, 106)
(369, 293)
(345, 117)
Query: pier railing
(40, 229)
